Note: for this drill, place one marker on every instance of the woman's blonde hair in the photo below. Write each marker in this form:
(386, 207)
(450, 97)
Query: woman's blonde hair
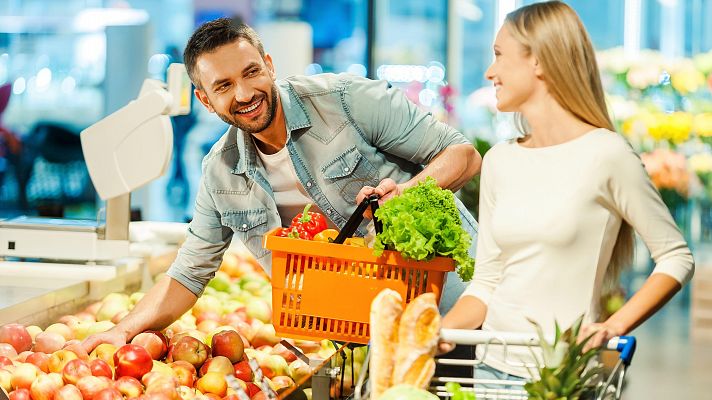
(553, 33)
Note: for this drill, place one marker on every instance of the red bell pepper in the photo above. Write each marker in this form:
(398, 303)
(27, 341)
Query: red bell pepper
(307, 224)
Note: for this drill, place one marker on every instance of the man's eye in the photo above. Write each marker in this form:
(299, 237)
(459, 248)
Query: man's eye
(222, 88)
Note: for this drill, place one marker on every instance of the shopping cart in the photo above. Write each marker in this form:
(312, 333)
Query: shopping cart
(609, 389)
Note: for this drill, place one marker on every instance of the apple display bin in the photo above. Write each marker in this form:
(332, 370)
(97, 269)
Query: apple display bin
(324, 290)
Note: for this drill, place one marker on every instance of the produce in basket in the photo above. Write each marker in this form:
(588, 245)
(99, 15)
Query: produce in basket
(424, 222)
(407, 392)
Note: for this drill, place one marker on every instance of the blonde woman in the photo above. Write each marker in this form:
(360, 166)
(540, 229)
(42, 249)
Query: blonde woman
(559, 206)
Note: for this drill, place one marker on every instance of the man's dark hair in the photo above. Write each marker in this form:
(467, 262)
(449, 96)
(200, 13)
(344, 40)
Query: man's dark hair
(213, 34)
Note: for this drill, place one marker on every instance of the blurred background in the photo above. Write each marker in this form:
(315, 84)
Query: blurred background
(66, 64)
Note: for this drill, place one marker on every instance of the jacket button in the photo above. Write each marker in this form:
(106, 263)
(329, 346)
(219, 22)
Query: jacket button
(308, 184)
(346, 169)
(244, 226)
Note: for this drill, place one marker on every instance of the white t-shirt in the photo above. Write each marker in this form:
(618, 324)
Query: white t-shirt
(549, 218)
(289, 194)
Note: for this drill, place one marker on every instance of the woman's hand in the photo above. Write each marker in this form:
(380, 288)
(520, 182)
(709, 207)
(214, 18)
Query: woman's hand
(600, 334)
(444, 347)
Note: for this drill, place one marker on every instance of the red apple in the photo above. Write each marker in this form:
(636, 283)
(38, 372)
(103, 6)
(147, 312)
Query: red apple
(68, 392)
(273, 365)
(218, 364)
(41, 360)
(245, 329)
(208, 326)
(33, 330)
(265, 336)
(101, 368)
(91, 385)
(44, 388)
(168, 387)
(22, 357)
(185, 372)
(282, 383)
(17, 336)
(212, 382)
(6, 350)
(59, 359)
(109, 393)
(298, 370)
(75, 370)
(190, 332)
(243, 371)
(24, 375)
(252, 389)
(129, 386)
(48, 342)
(228, 344)
(190, 349)
(207, 316)
(21, 394)
(284, 352)
(132, 360)
(61, 329)
(6, 380)
(5, 361)
(154, 342)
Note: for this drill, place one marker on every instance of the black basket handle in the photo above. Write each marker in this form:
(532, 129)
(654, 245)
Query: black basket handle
(356, 218)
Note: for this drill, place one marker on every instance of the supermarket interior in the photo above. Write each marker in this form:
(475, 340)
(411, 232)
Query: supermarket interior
(127, 169)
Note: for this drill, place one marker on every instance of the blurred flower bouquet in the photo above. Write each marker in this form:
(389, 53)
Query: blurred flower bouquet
(701, 165)
(669, 173)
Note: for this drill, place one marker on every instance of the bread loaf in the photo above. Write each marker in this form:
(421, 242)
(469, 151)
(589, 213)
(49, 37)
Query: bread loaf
(386, 310)
(418, 335)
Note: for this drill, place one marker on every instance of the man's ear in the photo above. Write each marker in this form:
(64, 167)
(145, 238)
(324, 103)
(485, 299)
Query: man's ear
(270, 66)
(203, 97)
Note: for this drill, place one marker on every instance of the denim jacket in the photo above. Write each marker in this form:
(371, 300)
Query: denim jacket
(344, 132)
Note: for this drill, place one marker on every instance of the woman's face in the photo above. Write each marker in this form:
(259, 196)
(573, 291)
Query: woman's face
(513, 72)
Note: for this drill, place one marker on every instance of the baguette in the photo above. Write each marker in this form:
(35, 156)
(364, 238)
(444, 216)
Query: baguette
(386, 310)
(418, 335)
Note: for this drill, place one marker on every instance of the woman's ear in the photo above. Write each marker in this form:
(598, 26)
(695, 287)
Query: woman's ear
(538, 70)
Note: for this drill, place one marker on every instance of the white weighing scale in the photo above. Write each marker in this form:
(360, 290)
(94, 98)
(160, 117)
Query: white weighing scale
(124, 151)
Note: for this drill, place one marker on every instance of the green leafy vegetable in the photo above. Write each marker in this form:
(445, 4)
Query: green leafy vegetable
(423, 222)
(456, 392)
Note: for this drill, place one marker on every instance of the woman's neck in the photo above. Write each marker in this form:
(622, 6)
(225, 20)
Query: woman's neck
(550, 124)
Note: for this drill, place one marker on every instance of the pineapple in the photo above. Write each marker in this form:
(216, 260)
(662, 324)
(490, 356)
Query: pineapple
(565, 374)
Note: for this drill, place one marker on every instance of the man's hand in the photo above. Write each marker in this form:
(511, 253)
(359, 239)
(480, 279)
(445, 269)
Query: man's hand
(113, 336)
(600, 334)
(385, 190)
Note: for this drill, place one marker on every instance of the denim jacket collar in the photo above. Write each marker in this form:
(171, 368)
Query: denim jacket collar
(295, 115)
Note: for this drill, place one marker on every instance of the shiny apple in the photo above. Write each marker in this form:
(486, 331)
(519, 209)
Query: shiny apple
(132, 360)
(17, 336)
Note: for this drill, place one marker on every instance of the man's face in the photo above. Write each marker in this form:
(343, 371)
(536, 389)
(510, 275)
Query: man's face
(238, 85)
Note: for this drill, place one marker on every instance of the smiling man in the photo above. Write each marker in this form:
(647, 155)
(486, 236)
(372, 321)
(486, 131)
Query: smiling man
(326, 139)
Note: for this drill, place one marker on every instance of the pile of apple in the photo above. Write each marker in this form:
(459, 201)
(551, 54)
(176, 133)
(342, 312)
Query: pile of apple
(228, 326)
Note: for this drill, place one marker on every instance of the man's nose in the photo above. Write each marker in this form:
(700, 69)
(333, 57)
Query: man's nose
(243, 93)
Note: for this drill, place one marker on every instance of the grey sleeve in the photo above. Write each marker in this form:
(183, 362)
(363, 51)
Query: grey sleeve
(206, 242)
(392, 123)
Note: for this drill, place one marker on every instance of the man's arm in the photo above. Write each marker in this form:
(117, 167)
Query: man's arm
(452, 168)
(152, 312)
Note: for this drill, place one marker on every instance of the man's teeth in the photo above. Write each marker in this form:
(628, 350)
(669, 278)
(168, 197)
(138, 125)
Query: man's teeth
(250, 108)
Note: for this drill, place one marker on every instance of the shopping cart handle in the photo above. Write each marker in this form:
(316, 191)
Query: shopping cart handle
(624, 345)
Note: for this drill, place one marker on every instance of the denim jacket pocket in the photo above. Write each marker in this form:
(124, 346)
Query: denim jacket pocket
(248, 226)
(349, 172)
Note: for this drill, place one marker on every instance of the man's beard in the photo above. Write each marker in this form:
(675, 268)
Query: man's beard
(254, 126)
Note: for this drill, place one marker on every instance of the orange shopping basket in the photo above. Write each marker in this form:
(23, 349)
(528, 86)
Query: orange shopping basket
(324, 290)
